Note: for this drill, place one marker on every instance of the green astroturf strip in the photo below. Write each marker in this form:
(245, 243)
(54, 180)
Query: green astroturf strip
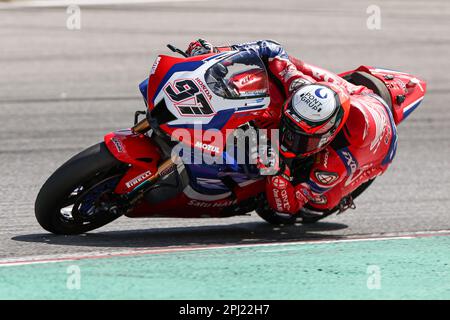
(391, 269)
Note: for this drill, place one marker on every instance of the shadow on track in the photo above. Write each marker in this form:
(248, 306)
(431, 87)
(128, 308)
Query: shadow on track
(241, 233)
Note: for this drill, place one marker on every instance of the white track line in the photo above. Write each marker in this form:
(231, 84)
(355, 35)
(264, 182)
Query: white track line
(66, 3)
(146, 251)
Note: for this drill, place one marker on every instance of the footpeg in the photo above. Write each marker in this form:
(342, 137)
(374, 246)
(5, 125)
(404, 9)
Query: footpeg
(346, 203)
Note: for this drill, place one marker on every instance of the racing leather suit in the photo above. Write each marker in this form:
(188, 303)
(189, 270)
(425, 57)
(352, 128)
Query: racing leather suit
(363, 149)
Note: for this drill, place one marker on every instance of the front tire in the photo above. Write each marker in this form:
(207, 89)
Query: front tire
(72, 199)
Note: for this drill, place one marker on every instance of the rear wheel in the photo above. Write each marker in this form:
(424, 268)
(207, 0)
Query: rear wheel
(276, 218)
(79, 196)
(373, 83)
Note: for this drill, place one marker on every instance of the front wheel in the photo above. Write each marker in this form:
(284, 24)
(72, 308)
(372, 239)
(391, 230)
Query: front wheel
(79, 196)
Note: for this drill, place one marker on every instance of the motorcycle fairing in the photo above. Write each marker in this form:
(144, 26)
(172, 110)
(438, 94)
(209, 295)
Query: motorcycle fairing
(191, 204)
(136, 150)
(406, 90)
(177, 76)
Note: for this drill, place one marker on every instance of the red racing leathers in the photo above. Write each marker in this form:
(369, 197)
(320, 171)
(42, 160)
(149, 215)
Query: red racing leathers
(362, 150)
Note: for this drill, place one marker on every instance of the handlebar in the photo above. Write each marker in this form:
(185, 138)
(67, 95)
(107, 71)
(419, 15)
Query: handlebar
(175, 49)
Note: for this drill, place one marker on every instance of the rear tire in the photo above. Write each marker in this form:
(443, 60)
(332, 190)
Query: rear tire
(367, 80)
(276, 218)
(83, 171)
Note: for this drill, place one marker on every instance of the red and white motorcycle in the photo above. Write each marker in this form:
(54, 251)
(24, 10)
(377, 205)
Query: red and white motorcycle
(133, 173)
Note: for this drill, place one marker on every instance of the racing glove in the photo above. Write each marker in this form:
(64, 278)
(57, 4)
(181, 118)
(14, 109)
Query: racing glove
(199, 47)
(282, 195)
(268, 160)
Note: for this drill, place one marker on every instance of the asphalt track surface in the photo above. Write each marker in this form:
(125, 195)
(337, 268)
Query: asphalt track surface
(406, 268)
(62, 90)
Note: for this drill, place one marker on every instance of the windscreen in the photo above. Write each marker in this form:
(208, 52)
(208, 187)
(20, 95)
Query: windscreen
(242, 75)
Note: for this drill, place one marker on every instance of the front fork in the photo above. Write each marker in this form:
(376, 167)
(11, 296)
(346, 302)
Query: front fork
(165, 168)
(136, 195)
(140, 127)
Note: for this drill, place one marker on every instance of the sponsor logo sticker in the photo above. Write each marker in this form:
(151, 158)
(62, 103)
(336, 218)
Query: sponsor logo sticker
(204, 88)
(279, 183)
(314, 103)
(297, 83)
(168, 170)
(301, 196)
(319, 93)
(288, 72)
(217, 204)
(207, 147)
(326, 177)
(155, 65)
(281, 200)
(138, 179)
(117, 144)
(351, 163)
(319, 199)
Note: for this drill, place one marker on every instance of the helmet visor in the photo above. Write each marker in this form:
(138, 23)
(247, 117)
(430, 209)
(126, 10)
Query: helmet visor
(295, 141)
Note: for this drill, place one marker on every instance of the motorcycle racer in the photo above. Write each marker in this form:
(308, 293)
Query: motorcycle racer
(334, 136)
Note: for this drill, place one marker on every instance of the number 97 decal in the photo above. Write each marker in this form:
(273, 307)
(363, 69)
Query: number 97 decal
(188, 98)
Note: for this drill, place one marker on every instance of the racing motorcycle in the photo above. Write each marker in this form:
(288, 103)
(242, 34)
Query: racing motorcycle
(133, 171)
